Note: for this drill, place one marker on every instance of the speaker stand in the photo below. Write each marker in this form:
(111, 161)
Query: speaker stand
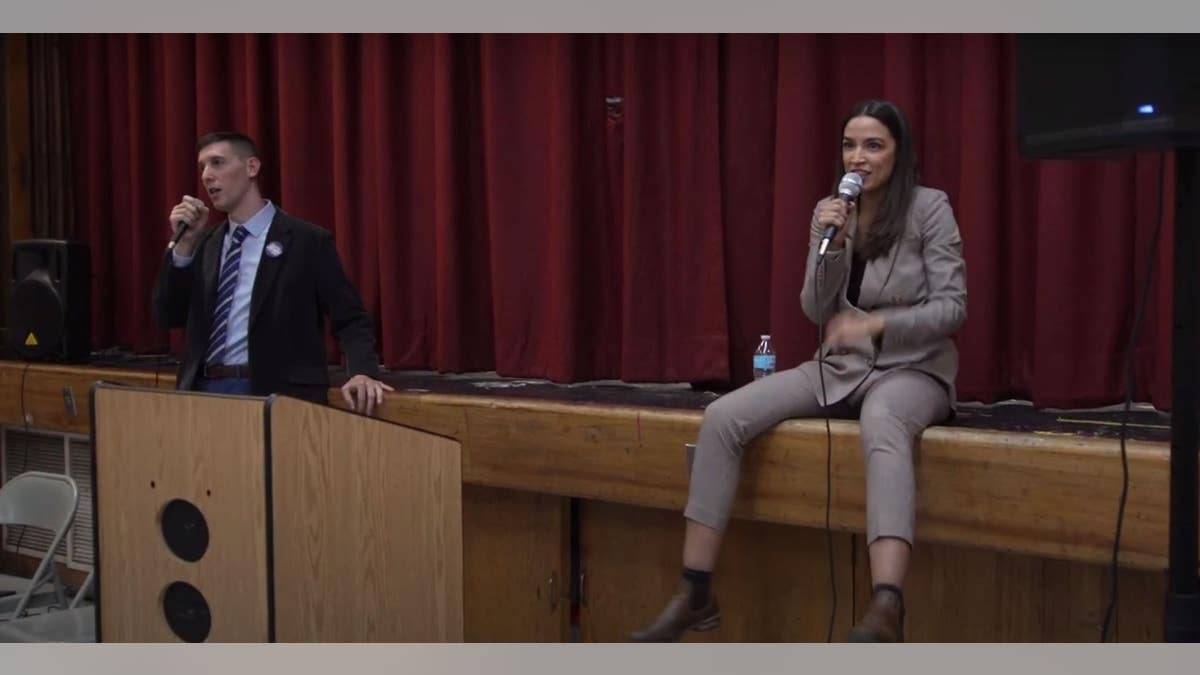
(1183, 590)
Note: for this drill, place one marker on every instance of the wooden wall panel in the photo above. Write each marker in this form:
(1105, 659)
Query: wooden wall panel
(516, 561)
(772, 583)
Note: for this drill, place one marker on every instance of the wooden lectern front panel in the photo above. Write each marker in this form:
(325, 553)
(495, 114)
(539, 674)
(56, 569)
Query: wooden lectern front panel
(368, 522)
(156, 447)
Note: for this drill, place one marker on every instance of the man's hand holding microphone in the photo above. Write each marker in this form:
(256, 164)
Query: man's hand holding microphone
(189, 218)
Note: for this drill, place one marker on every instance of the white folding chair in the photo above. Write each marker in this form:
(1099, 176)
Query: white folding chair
(75, 624)
(67, 625)
(47, 501)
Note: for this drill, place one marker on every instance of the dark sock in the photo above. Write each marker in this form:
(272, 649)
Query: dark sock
(888, 587)
(700, 581)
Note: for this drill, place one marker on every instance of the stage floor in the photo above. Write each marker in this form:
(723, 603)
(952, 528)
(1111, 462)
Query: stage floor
(1145, 424)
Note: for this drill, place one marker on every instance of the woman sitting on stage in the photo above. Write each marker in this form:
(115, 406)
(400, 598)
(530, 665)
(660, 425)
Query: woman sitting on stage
(892, 288)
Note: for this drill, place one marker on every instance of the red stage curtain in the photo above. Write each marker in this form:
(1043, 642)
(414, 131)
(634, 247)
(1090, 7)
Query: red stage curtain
(633, 207)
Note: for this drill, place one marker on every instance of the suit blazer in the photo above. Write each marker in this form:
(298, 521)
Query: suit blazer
(919, 288)
(292, 294)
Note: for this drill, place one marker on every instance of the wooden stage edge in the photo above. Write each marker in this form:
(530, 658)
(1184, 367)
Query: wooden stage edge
(1022, 493)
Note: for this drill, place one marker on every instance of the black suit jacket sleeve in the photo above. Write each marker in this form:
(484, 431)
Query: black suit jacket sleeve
(173, 292)
(351, 324)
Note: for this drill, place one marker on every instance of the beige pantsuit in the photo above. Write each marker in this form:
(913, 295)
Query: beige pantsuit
(898, 384)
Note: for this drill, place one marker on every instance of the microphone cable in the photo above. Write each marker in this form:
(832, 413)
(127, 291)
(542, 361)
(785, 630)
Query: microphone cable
(828, 446)
(1130, 372)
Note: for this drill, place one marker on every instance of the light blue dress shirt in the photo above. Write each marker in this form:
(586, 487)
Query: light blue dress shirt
(236, 348)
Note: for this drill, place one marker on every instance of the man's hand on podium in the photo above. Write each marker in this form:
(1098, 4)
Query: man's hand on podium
(363, 393)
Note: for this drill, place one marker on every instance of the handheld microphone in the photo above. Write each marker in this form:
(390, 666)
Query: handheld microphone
(179, 232)
(848, 191)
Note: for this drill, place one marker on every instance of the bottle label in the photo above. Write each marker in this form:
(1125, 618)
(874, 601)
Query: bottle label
(764, 362)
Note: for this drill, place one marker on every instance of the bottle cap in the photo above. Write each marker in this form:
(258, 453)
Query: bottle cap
(764, 337)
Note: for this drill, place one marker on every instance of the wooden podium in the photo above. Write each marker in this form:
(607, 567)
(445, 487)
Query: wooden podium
(241, 519)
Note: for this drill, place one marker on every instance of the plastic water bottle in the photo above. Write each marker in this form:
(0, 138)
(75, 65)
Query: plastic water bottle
(764, 358)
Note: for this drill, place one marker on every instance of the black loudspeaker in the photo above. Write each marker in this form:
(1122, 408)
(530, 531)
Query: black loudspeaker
(1081, 96)
(50, 301)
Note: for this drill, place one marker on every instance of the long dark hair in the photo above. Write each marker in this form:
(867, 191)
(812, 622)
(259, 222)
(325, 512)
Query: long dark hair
(893, 210)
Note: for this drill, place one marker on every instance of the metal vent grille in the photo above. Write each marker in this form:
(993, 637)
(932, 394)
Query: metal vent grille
(55, 453)
(82, 546)
(33, 451)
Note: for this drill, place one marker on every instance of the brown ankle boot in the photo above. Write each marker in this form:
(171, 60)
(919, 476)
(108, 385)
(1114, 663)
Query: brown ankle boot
(678, 617)
(884, 620)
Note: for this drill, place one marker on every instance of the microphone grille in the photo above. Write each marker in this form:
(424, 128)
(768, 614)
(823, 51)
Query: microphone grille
(851, 184)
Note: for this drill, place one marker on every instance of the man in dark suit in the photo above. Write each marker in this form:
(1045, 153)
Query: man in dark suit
(253, 291)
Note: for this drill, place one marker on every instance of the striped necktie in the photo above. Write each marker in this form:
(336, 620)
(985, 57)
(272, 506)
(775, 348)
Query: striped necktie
(229, 276)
